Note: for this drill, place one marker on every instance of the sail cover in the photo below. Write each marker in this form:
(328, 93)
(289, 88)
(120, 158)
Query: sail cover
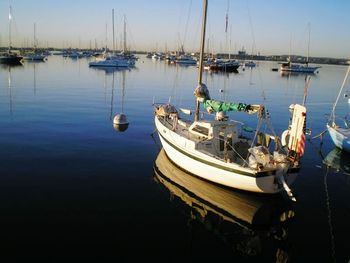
(217, 106)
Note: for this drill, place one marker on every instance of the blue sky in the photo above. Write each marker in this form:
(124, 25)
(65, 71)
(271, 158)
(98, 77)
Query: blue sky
(264, 26)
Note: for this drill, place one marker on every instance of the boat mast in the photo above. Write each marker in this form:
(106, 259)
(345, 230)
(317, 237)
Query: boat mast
(113, 29)
(106, 39)
(308, 47)
(200, 68)
(10, 17)
(124, 45)
(34, 45)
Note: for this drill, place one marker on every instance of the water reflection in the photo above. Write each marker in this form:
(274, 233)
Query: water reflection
(120, 122)
(10, 86)
(296, 74)
(338, 160)
(249, 224)
(110, 70)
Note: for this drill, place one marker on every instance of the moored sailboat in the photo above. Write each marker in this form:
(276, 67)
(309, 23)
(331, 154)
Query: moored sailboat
(35, 55)
(339, 135)
(297, 67)
(10, 57)
(217, 150)
(111, 59)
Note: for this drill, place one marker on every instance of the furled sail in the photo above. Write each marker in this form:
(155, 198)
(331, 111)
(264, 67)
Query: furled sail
(202, 94)
(217, 106)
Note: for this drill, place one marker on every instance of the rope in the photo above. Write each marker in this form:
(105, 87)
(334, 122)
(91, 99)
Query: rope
(336, 101)
(233, 149)
(318, 135)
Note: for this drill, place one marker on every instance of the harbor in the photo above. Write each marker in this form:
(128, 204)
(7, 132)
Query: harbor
(113, 154)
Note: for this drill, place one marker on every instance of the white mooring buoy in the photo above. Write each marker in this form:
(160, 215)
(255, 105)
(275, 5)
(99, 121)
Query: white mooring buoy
(120, 122)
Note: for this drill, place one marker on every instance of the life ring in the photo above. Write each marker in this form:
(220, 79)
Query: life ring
(285, 137)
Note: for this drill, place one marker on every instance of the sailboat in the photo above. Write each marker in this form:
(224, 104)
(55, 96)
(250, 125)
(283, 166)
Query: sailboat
(35, 55)
(217, 149)
(340, 135)
(10, 57)
(299, 68)
(111, 59)
(236, 217)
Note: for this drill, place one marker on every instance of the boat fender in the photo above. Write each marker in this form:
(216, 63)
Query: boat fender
(285, 138)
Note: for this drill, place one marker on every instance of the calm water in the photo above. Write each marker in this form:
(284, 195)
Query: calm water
(73, 187)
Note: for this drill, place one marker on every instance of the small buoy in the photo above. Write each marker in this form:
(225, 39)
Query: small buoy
(120, 122)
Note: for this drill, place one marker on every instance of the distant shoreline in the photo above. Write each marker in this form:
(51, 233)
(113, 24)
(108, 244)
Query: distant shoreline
(239, 56)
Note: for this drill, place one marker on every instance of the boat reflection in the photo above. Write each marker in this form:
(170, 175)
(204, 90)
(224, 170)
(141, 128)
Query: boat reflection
(10, 85)
(247, 222)
(110, 70)
(296, 74)
(338, 160)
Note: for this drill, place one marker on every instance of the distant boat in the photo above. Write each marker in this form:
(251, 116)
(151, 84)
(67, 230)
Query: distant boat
(158, 56)
(297, 67)
(185, 60)
(75, 55)
(250, 64)
(340, 135)
(35, 55)
(10, 57)
(224, 65)
(242, 220)
(111, 61)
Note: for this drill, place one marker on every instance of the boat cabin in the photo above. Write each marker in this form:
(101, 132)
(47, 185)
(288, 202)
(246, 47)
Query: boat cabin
(221, 138)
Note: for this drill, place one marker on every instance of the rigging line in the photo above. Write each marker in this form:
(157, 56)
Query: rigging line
(188, 18)
(332, 116)
(227, 11)
(251, 27)
(319, 135)
(130, 35)
(263, 94)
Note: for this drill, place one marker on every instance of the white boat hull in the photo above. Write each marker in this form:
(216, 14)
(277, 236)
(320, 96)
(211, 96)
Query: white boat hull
(340, 137)
(110, 63)
(181, 151)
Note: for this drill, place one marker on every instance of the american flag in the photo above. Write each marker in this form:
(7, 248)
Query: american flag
(301, 143)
